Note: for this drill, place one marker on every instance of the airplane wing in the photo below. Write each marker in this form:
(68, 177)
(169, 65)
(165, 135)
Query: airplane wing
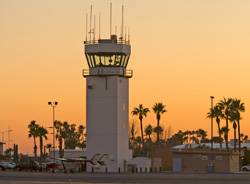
(93, 160)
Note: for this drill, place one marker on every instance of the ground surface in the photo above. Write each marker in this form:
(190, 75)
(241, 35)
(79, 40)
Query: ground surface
(164, 177)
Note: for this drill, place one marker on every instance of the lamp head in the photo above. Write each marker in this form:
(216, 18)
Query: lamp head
(212, 97)
(49, 103)
(56, 103)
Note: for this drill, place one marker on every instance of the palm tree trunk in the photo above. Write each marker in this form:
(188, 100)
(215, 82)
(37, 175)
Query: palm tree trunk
(158, 125)
(41, 148)
(219, 134)
(240, 161)
(227, 134)
(234, 139)
(238, 121)
(142, 135)
(35, 147)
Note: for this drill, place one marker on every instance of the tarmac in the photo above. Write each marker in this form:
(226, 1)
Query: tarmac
(10, 177)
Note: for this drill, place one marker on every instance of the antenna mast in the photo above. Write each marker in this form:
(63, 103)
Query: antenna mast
(94, 30)
(125, 33)
(122, 23)
(110, 19)
(99, 25)
(86, 27)
(90, 23)
(128, 34)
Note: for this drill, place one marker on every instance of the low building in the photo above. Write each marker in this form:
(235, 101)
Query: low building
(197, 160)
(205, 161)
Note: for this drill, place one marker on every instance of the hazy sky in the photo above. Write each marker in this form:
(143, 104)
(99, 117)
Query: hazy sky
(183, 51)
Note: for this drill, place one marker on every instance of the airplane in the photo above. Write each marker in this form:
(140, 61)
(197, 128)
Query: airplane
(73, 163)
(101, 161)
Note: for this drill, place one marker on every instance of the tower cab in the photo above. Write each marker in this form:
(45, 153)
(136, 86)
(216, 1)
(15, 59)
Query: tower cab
(108, 57)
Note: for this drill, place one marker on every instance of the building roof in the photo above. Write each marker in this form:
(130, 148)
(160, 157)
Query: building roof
(205, 152)
(208, 145)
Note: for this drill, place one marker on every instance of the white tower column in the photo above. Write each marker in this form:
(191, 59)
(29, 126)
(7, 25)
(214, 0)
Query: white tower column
(107, 102)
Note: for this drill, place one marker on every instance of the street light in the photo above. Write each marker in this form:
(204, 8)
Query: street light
(53, 105)
(212, 97)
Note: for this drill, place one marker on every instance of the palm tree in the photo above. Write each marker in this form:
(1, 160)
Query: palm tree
(238, 107)
(217, 113)
(224, 131)
(148, 131)
(245, 138)
(42, 133)
(225, 104)
(158, 129)
(138, 140)
(33, 133)
(158, 109)
(49, 146)
(233, 118)
(81, 129)
(141, 111)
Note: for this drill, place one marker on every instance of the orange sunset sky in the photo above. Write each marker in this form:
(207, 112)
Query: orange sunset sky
(183, 51)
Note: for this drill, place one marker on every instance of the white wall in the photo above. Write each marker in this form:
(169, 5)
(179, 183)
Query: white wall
(105, 131)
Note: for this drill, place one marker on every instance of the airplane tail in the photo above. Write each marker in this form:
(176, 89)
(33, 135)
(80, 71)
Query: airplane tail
(94, 159)
(102, 160)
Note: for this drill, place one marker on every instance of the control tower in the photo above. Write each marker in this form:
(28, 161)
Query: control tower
(107, 102)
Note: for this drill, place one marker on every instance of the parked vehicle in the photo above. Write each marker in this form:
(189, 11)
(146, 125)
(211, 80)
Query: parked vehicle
(246, 167)
(2, 166)
(10, 165)
(32, 166)
(44, 166)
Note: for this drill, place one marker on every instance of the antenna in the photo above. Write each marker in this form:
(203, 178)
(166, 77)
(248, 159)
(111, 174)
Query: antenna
(94, 30)
(110, 19)
(125, 33)
(86, 27)
(99, 25)
(90, 23)
(128, 34)
(122, 23)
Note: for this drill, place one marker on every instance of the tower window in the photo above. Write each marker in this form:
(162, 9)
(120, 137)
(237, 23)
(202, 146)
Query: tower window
(123, 125)
(123, 107)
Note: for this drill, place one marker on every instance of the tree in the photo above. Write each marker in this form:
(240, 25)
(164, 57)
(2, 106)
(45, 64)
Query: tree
(216, 112)
(81, 129)
(41, 133)
(233, 118)
(159, 109)
(49, 146)
(141, 111)
(158, 130)
(224, 131)
(138, 140)
(243, 138)
(7, 153)
(225, 104)
(148, 131)
(33, 133)
(238, 107)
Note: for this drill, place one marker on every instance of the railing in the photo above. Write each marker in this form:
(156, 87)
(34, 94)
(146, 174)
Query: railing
(100, 72)
(91, 42)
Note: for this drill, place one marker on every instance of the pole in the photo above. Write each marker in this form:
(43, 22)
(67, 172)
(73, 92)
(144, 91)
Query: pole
(54, 154)
(211, 123)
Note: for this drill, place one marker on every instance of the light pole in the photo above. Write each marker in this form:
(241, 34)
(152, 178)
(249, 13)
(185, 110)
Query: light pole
(53, 105)
(3, 134)
(212, 97)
